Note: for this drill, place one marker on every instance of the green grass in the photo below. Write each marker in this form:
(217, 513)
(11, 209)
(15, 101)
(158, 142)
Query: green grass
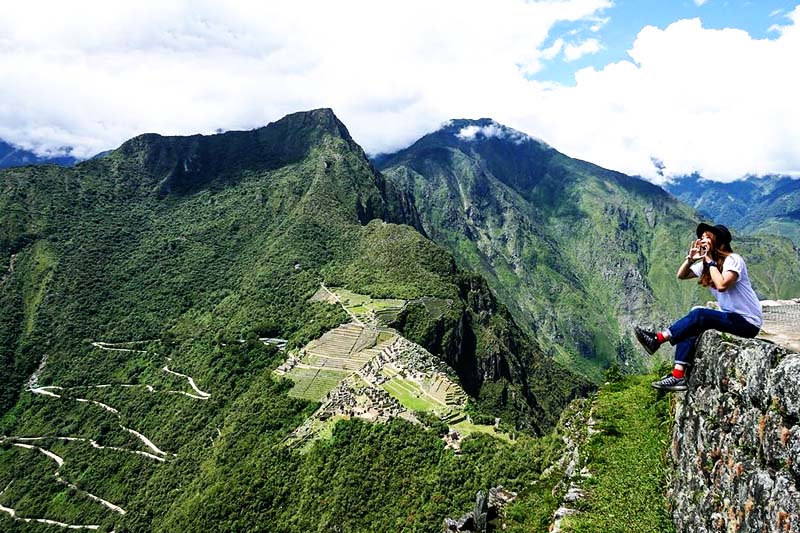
(386, 303)
(410, 395)
(361, 304)
(627, 460)
(465, 427)
(313, 384)
(41, 264)
(350, 298)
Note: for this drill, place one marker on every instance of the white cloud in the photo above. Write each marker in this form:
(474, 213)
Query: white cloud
(91, 76)
(599, 23)
(717, 102)
(699, 3)
(553, 50)
(577, 51)
(714, 101)
(474, 132)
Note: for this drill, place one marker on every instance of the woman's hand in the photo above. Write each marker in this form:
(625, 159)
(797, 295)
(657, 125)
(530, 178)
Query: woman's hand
(696, 251)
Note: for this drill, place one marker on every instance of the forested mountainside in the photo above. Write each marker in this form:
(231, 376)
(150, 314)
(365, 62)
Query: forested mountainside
(765, 204)
(135, 288)
(578, 253)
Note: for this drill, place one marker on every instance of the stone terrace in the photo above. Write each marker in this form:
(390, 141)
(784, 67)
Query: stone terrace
(782, 323)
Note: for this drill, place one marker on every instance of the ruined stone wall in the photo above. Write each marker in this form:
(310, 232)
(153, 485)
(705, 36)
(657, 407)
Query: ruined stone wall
(735, 452)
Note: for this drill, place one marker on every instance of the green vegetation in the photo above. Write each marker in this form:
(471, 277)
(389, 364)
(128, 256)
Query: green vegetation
(411, 396)
(576, 252)
(627, 460)
(313, 384)
(465, 427)
(206, 244)
(755, 205)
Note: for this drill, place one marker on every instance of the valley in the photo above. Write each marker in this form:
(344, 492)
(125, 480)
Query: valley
(259, 331)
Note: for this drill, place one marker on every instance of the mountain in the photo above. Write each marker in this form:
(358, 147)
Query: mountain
(766, 204)
(13, 156)
(135, 288)
(578, 253)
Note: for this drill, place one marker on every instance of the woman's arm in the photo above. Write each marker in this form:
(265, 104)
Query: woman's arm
(722, 280)
(684, 271)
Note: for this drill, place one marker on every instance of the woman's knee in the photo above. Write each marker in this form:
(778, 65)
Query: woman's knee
(697, 315)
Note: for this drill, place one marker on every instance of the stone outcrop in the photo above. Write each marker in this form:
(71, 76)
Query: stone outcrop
(487, 508)
(735, 452)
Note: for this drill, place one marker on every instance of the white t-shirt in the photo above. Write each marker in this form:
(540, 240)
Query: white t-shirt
(740, 297)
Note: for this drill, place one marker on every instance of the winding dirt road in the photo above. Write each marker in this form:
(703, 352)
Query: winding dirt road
(54, 391)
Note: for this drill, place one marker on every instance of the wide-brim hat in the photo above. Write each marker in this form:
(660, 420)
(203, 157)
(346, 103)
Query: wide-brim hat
(722, 233)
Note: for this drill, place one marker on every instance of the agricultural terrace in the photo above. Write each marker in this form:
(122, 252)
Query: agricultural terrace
(362, 369)
(376, 311)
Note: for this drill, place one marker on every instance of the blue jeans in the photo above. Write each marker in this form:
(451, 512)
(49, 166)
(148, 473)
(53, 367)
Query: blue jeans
(684, 332)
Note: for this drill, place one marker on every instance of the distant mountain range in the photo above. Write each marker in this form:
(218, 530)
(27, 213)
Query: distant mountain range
(13, 156)
(768, 204)
(577, 252)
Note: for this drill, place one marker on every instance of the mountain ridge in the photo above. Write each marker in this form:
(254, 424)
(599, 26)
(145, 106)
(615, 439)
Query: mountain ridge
(578, 252)
(765, 204)
(15, 156)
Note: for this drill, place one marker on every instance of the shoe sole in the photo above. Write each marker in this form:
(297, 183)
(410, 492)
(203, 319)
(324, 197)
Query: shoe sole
(643, 343)
(669, 389)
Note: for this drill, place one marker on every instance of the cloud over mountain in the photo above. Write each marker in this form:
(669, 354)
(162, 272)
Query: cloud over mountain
(714, 101)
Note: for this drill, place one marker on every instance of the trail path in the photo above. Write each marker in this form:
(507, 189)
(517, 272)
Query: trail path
(201, 394)
(147, 442)
(92, 442)
(55, 391)
(60, 462)
(13, 514)
(346, 310)
(108, 346)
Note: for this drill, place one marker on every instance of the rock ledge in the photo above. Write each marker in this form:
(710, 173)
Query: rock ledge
(735, 452)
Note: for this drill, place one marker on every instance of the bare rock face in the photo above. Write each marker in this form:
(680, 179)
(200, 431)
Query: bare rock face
(736, 443)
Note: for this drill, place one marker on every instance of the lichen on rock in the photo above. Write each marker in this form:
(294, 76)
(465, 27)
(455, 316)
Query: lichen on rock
(735, 452)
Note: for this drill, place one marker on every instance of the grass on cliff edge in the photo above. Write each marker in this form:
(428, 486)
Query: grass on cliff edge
(627, 461)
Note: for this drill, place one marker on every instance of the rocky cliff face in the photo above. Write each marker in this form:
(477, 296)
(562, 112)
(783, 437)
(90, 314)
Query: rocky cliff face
(736, 442)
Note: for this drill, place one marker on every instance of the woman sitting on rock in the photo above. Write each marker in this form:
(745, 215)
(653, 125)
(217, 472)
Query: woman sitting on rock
(711, 259)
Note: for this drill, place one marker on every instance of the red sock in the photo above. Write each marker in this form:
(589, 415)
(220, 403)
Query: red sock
(661, 338)
(677, 373)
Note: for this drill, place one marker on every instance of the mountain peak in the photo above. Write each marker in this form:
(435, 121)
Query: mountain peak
(178, 162)
(323, 118)
(469, 130)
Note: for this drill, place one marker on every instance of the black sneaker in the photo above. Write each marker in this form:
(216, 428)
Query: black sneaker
(647, 339)
(670, 383)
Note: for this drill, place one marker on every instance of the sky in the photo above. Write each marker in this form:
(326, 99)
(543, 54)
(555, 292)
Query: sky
(651, 88)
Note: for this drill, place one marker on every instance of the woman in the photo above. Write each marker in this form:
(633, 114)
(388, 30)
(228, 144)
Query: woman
(711, 259)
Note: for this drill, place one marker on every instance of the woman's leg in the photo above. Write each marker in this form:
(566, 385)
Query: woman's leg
(684, 352)
(684, 334)
(700, 320)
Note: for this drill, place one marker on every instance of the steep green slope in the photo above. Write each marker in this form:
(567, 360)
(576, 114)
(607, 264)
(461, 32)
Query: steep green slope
(196, 243)
(578, 253)
(619, 478)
